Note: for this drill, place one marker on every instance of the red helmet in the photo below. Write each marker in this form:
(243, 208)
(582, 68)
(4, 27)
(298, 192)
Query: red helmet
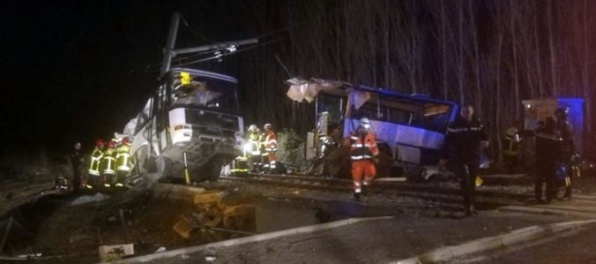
(125, 141)
(100, 143)
(111, 144)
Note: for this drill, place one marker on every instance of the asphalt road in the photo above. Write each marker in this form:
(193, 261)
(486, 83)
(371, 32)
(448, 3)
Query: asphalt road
(577, 248)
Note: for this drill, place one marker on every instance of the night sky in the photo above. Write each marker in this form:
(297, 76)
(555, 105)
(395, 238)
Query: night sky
(79, 70)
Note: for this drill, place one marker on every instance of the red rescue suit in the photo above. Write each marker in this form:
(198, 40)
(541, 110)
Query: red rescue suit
(363, 154)
(271, 148)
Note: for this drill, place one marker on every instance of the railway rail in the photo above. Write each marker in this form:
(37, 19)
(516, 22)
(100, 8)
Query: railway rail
(442, 192)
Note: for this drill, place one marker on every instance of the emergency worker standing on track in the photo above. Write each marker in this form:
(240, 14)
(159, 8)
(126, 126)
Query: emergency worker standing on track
(364, 155)
(270, 141)
(253, 148)
(462, 145)
(511, 147)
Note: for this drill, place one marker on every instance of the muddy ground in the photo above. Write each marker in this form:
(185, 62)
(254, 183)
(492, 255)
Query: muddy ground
(68, 233)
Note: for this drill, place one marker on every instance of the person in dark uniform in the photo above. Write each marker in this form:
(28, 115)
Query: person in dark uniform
(465, 136)
(548, 155)
(76, 159)
(567, 144)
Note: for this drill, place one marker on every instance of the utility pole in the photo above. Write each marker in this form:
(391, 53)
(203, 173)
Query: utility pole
(170, 52)
(169, 49)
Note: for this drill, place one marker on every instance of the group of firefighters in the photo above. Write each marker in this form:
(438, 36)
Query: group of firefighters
(109, 166)
(260, 151)
(111, 163)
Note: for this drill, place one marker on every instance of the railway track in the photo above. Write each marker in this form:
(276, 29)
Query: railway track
(443, 192)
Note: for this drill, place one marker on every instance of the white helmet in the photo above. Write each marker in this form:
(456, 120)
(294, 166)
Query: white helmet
(252, 128)
(364, 122)
(266, 126)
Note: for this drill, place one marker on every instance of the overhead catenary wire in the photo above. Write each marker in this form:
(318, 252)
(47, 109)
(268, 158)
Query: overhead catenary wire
(154, 67)
(227, 54)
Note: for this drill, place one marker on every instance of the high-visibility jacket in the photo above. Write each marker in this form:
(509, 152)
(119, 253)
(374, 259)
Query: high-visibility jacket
(270, 141)
(123, 162)
(363, 146)
(109, 161)
(254, 148)
(96, 157)
(512, 142)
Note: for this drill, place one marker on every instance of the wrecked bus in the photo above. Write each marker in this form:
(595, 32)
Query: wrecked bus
(410, 128)
(191, 121)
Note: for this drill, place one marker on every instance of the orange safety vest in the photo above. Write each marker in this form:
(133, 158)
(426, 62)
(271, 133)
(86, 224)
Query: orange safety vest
(270, 141)
(363, 147)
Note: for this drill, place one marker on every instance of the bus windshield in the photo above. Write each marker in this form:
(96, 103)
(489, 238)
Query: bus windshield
(201, 89)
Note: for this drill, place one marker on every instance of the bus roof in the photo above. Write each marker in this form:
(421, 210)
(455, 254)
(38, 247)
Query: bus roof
(343, 91)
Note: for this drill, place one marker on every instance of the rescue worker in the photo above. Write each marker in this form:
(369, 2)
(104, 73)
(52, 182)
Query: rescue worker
(511, 147)
(60, 183)
(94, 167)
(465, 136)
(363, 155)
(108, 164)
(240, 163)
(264, 154)
(123, 162)
(567, 144)
(270, 143)
(76, 160)
(548, 155)
(253, 148)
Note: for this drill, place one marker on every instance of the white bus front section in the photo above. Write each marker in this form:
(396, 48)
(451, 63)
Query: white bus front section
(182, 132)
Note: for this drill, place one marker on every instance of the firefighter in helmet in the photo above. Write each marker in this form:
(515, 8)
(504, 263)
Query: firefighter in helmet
(270, 144)
(548, 155)
(240, 163)
(94, 167)
(363, 155)
(465, 139)
(253, 149)
(108, 164)
(511, 147)
(124, 162)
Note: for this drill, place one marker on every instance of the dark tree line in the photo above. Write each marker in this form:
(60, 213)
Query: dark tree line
(491, 53)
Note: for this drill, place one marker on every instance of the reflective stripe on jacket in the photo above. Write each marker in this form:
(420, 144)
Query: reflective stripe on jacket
(363, 147)
(270, 141)
(123, 158)
(462, 141)
(254, 148)
(108, 162)
(96, 157)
